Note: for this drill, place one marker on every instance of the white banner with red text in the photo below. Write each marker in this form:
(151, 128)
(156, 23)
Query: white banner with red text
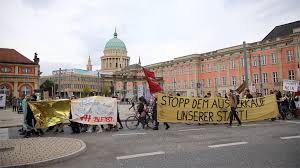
(94, 110)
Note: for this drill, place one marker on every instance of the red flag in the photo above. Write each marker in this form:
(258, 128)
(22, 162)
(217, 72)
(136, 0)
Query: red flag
(153, 85)
(148, 73)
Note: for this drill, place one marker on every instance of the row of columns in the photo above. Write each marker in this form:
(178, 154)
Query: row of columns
(110, 63)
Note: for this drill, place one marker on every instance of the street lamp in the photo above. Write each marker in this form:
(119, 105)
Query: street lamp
(174, 84)
(98, 89)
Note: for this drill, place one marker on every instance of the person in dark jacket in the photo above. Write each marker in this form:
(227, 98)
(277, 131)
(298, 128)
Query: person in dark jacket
(248, 94)
(31, 122)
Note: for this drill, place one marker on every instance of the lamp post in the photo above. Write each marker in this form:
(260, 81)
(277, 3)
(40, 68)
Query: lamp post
(98, 81)
(174, 84)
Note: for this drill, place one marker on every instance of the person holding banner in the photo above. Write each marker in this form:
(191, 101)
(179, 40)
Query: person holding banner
(233, 104)
(24, 109)
(154, 113)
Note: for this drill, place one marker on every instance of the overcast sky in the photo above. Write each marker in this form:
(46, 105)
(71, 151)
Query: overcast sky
(65, 32)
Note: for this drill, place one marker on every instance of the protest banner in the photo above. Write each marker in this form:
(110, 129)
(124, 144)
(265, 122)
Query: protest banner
(50, 113)
(290, 85)
(94, 110)
(2, 100)
(214, 109)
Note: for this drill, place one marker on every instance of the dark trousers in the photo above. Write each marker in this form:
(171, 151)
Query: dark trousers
(233, 113)
(132, 106)
(119, 120)
(157, 124)
(14, 108)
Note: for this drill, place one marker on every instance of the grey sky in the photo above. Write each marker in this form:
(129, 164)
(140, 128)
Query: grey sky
(65, 32)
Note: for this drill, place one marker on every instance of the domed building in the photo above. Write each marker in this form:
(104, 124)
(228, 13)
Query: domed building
(115, 55)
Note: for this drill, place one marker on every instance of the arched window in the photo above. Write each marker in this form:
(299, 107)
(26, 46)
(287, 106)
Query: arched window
(4, 90)
(116, 65)
(26, 90)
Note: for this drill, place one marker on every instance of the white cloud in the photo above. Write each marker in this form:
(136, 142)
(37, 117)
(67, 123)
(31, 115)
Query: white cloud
(65, 32)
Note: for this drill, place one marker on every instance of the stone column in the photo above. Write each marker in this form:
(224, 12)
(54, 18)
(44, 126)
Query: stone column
(16, 93)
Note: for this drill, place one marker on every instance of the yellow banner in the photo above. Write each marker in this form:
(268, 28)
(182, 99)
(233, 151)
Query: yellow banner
(50, 113)
(214, 109)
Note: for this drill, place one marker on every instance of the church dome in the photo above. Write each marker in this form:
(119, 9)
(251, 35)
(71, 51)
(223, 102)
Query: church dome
(115, 43)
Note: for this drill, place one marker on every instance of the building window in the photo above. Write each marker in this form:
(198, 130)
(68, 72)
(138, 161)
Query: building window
(289, 56)
(263, 60)
(208, 82)
(254, 61)
(202, 84)
(266, 91)
(26, 90)
(208, 67)
(193, 84)
(274, 58)
(223, 67)
(4, 90)
(275, 77)
(215, 67)
(242, 62)
(255, 78)
(232, 63)
(224, 81)
(6, 69)
(243, 78)
(233, 80)
(216, 82)
(291, 75)
(26, 70)
(185, 84)
(202, 68)
(265, 77)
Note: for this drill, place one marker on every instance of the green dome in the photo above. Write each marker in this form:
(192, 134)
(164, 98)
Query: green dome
(115, 43)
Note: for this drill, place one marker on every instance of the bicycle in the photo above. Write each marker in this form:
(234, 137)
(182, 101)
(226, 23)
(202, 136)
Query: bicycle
(132, 122)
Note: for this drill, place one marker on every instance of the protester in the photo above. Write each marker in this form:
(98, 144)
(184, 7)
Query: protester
(24, 109)
(292, 101)
(248, 95)
(233, 105)
(75, 126)
(118, 117)
(208, 95)
(154, 116)
(30, 121)
(14, 104)
(19, 104)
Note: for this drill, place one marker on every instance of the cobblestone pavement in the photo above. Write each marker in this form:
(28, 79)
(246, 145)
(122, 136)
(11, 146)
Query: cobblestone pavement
(12, 119)
(17, 152)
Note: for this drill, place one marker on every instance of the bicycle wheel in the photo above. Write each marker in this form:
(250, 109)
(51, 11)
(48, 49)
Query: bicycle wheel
(132, 122)
(289, 115)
